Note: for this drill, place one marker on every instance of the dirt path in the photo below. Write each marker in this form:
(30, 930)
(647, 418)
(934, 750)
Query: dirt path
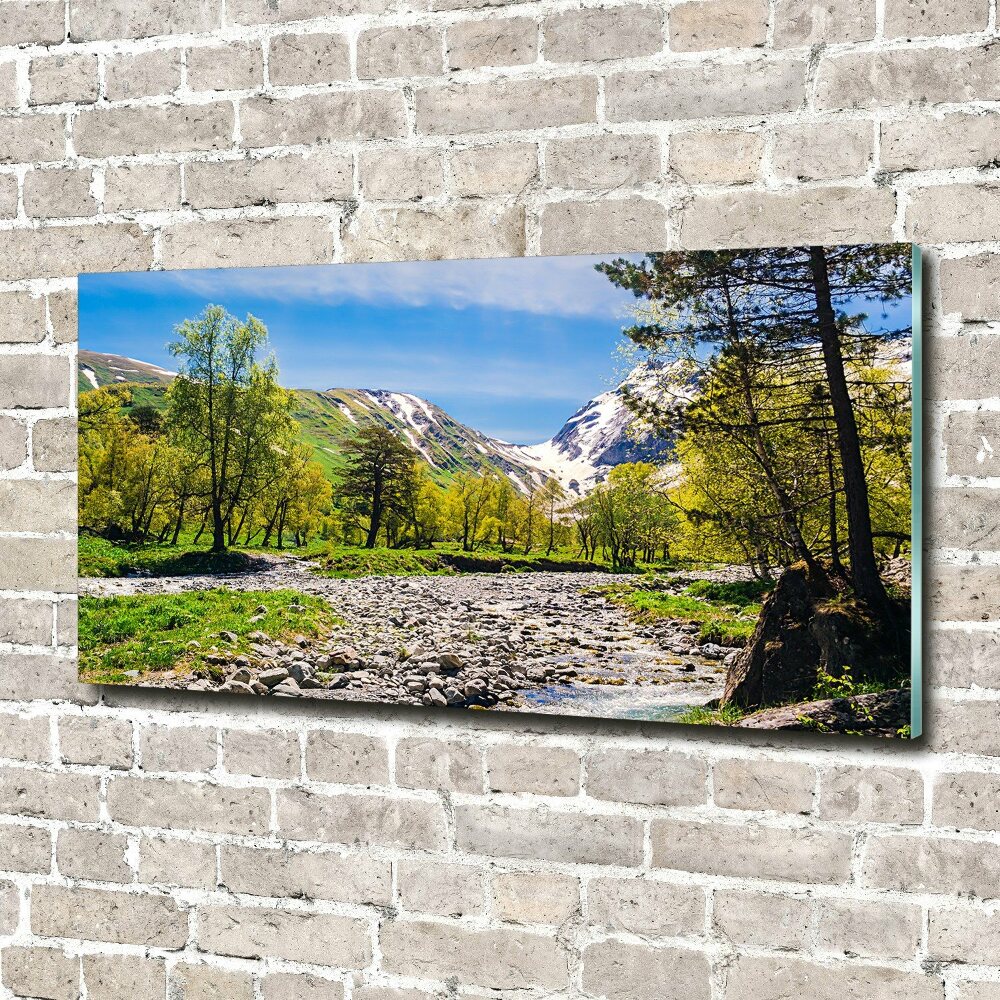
(577, 652)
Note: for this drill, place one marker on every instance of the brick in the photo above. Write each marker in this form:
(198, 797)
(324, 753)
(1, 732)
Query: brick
(409, 233)
(402, 174)
(28, 622)
(208, 982)
(290, 986)
(761, 218)
(268, 753)
(971, 285)
(171, 861)
(110, 977)
(347, 758)
(225, 67)
(26, 676)
(9, 98)
(962, 593)
(189, 806)
(823, 152)
(971, 438)
(532, 769)
(592, 35)
(439, 764)
(318, 177)
(358, 114)
(534, 897)
(247, 242)
(967, 800)
(956, 363)
(23, 317)
(67, 623)
(763, 920)
(390, 993)
(142, 187)
(53, 445)
(552, 835)
(760, 978)
(163, 129)
(811, 22)
(869, 929)
(905, 77)
(178, 748)
(864, 795)
(965, 727)
(708, 90)
(952, 213)
(116, 917)
(93, 854)
(8, 196)
(25, 849)
(62, 317)
(965, 518)
(932, 864)
(307, 59)
(504, 959)
(604, 161)
(915, 18)
(97, 19)
(47, 795)
(53, 194)
(985, 990)
(509, 41)
(492, 170)
(142, 74)
(646, 906)
(63, 79)
(749, 850)
(392, 821)
(700, 25)
(963, 934)
(96, 740)
(764, 784)
(44, 973)
(35, 138)
(25, 737)
(413, 50)
(38, 564)
(60, 250)
(10, 908)
(347, 877)
(505, 104)
(39, 22)
(283, 11)
(440, 888)
(963, 659)
(13, 444)
(932, 143)
(660, 778)
(316, 938)
(624, 970)
(627, 224)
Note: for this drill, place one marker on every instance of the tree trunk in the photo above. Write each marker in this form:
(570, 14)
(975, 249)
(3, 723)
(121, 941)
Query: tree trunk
(218, 527)
(860, 546)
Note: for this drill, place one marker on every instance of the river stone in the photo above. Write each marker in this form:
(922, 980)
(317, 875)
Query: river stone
(272, 677)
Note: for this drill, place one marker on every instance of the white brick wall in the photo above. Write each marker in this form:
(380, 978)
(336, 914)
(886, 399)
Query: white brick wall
(155, 846)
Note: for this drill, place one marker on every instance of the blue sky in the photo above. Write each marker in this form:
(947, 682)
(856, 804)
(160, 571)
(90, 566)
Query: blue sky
(511, 347)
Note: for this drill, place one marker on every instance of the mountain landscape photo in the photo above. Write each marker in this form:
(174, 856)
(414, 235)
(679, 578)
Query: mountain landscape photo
(618, 487)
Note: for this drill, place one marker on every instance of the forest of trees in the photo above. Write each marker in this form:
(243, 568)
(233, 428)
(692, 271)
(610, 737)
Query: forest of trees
(796, 446)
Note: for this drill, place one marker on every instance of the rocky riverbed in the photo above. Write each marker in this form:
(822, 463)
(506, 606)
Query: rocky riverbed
(540, 642)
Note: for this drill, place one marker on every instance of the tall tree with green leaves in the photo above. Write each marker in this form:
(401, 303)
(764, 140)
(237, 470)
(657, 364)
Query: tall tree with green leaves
(379, 476)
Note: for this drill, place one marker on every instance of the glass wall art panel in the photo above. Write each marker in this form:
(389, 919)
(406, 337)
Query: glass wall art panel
(678, 487)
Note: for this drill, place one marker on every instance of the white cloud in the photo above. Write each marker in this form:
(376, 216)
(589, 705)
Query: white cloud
(560, 286)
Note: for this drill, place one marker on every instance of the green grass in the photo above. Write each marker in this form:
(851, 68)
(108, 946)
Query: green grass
(698, 715)
(151, 632)
(724, 613)
(99, 557)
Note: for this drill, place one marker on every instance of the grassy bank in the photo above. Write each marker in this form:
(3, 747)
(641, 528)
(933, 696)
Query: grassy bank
(151, 633)
(725, 613)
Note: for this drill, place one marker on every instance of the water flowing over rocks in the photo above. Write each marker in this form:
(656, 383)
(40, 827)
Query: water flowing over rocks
(546, 642)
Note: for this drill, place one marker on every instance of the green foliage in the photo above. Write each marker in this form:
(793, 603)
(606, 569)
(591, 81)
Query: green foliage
(845, 686)
(98, 557)
(152, 633)
(697, 715)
